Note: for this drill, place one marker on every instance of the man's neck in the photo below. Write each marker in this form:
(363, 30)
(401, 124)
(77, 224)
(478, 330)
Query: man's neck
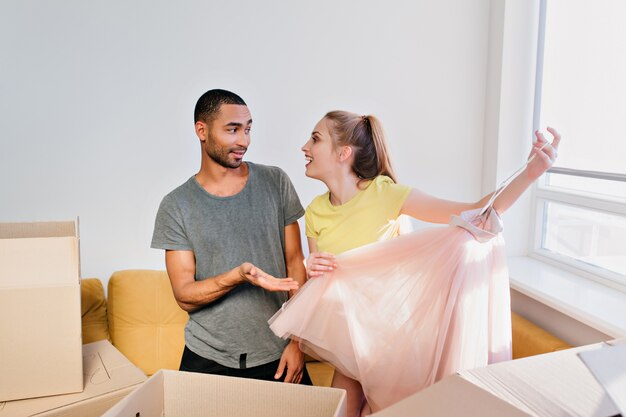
(221, 181)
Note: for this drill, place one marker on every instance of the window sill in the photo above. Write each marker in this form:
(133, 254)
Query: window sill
(598, 306)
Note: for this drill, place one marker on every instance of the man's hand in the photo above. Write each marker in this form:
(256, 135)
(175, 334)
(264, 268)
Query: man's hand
(293, 360)
(256, 276)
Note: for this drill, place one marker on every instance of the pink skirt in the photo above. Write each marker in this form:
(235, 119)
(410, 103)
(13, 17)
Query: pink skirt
(399, 315)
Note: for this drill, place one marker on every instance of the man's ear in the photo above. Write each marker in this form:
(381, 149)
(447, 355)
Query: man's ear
(202, 130)
(345, 153)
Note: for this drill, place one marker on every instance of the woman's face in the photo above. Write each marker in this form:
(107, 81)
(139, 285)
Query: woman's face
(320, 152)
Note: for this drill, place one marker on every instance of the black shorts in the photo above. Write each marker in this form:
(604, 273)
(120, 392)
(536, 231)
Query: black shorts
(192, 362)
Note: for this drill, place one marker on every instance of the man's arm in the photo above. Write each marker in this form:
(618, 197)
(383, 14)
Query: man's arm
(292, 358)
(191, 294)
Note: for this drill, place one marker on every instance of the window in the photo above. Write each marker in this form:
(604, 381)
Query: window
(581, 90)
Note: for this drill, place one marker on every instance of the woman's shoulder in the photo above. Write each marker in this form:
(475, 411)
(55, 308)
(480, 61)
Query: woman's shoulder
(319, 202)
(383, 182)
(384, 188)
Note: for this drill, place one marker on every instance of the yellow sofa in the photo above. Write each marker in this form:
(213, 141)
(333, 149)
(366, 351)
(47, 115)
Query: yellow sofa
(142, 320)
(530, 339)
(139, 316)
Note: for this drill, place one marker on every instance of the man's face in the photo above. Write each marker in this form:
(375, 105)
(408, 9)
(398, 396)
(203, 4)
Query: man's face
(226, 138)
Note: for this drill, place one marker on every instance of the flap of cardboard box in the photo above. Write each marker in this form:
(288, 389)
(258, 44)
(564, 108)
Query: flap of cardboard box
(452, 396)
(38, 229)
(608, 365)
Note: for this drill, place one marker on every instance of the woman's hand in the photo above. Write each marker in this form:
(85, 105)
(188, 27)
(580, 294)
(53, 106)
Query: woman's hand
(543, 154)
(319, 262)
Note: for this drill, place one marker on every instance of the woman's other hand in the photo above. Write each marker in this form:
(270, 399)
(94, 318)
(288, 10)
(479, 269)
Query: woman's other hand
(543, 154)
(319, 262)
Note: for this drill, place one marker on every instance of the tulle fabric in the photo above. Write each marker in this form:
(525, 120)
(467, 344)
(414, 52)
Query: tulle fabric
(400, 315)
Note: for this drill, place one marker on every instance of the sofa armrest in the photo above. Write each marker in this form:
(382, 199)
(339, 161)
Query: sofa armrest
(93, 311)
(145, 322)
(529, 339)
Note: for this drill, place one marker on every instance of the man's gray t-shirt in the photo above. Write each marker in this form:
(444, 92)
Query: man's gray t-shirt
(223, 233)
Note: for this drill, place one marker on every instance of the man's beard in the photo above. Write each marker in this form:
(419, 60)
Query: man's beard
(221, 156)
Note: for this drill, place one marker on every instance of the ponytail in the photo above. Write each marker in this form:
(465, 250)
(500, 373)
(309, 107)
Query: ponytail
(366, 137)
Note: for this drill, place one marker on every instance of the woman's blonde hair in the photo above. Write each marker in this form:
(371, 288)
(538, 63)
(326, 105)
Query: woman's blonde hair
(364, 134)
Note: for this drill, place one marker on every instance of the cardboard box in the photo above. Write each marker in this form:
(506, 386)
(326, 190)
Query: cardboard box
(185, 394)
(108, 377)
(40, 347)
(608, 366)
(552, 384)
(452, 396)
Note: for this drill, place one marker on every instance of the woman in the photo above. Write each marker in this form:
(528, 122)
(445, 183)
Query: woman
(436, 302)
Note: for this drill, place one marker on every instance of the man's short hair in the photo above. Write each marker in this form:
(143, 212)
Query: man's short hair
(209, 103)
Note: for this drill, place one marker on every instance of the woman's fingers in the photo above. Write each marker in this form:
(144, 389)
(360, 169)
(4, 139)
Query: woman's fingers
(540, 138)
(556, 137)
(320, 262)
(542, 146)
(323, 259)
(324, 263)
(323, 255)
(543, 153)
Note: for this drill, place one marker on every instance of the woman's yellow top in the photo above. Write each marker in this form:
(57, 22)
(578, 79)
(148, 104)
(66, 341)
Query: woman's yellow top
(368, 217)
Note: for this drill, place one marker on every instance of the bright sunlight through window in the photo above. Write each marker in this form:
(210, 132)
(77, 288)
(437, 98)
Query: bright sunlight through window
(581, 204)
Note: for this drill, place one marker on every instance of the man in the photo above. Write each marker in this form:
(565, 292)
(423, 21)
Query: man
(228, 232)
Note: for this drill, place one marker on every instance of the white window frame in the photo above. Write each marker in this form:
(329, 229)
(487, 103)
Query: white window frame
(543, 193)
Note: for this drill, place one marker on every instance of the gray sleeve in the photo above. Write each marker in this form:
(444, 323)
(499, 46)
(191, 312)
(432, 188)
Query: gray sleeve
(292, 209)
(169, 231)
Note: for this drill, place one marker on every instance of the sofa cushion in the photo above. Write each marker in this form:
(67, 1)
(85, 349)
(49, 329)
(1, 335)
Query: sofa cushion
(93, 311)
(145, 322)
(529, 339)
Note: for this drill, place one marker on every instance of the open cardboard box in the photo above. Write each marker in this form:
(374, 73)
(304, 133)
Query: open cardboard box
(553, 384)
(185, 394)
(178, 394)
(108, 377)
(40, 347)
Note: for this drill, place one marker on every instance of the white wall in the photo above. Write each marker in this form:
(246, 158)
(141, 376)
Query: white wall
(509, 104)
(96, 100)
